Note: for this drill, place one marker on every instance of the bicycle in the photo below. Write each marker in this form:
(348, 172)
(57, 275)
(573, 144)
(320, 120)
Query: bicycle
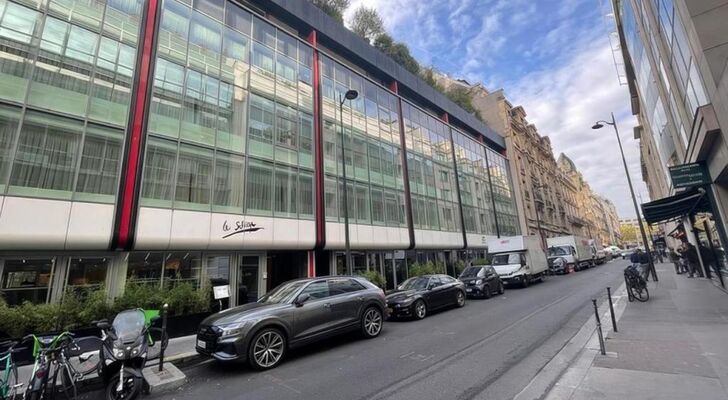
(636, 284)
(64, 355)
(9, 378)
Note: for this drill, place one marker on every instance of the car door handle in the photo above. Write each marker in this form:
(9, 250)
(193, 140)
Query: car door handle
(360, 298)
(327, 305)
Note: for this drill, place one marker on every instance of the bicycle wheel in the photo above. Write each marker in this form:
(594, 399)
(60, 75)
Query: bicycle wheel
(9, 386)
(68, 382)
(640, 292)
(83, 355)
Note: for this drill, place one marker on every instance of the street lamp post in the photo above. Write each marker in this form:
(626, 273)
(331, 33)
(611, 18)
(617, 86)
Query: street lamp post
(600, 125)
(350, 95)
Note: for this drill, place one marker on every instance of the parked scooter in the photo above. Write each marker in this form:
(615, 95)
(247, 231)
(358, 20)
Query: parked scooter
(124, 352)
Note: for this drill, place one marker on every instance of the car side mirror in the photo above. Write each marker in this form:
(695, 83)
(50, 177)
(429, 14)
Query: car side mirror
(302, 299)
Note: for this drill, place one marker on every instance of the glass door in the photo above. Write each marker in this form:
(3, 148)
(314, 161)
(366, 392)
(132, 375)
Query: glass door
(218, 273)
(248, 279)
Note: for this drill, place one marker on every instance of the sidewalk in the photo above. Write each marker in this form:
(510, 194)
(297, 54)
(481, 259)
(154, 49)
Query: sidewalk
(675, 346)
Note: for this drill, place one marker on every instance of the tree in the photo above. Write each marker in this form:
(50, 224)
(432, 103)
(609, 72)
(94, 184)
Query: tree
(334, 8)
(628, 232)
(367, 23)
(398, 51)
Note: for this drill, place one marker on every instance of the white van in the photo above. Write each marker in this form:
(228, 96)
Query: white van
(569, 253)
(518, 259)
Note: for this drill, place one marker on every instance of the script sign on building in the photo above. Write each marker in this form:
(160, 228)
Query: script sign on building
(689, 175)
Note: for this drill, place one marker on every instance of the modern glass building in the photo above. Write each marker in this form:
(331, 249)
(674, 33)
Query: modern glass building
(164, 141)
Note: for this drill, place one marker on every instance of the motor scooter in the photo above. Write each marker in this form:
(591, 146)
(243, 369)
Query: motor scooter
(124, 352)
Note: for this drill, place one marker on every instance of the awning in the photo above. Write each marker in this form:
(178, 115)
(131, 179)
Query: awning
(687, 202)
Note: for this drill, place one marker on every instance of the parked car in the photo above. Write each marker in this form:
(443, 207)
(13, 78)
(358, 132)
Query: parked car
(600, 257)
(419, 295)
(518, 259)
(481, 281)
(295, 313)
(626, 253)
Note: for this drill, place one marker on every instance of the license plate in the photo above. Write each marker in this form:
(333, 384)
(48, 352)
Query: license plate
(201, 343)
(468, 290)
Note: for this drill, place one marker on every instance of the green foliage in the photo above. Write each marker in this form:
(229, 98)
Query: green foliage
(398, 51)
(480, 261)
(459, 267)
(427, 268)
(367, 23)
(375, 277)
(334, 8)
(79, 308)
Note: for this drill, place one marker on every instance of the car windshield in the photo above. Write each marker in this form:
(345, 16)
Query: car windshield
(559, 251)
(506, 259)
(472, 272)
(282, 293)
(416, 283)
(128, 325)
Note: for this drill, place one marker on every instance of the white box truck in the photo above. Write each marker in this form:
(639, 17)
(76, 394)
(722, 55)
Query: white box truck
(518, 259)
(569, 253)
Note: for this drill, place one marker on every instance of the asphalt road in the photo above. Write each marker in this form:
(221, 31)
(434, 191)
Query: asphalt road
(488, 349)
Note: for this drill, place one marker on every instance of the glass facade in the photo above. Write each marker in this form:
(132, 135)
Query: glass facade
(66, 68)
(431, 170)
(231, 124)
(372, 151)
(475, 191)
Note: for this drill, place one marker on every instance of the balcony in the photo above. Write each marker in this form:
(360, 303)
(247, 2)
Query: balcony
(576, 221)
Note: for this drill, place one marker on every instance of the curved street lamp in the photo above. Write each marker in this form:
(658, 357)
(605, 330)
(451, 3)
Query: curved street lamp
(600, 125)
(350, 94)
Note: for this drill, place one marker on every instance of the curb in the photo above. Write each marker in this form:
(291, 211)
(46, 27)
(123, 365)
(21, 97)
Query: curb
(578, 354)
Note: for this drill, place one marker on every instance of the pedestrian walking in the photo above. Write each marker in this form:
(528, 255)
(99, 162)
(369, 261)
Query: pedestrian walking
(691, 253)
(708, 257)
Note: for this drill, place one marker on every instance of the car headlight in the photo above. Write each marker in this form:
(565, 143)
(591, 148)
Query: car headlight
(479, 282)
(119, 353)
(232, 329)
(559, 262)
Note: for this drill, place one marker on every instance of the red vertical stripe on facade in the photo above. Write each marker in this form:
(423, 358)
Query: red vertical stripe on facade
(318, 141)
(130, 181)
(445, 117)
(311, 264)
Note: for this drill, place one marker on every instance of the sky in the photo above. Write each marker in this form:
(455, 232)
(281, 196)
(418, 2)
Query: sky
(553, 57)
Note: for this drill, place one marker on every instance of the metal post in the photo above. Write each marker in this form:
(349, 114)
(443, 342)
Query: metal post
(349, 266)
(164, 334)
(634, 202)
(611, 309)
(599, 328)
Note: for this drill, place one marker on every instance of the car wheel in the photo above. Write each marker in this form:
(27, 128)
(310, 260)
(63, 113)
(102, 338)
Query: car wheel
(460, 298)
(486, 292)
(420, 309)
(371, 322)
(525, 281)
(266, 349)
(501, 288)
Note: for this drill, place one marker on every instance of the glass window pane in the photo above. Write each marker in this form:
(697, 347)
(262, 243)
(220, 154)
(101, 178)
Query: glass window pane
(122, 19)
(9, 119)
(100, 160)
(237, 18)
(26, 280)
(166, 107)
(182, 267)
(213, 8)
(87, 273)
(144, 268)
(287, 45)
(305, 195)
(228, 189)
(259, 194)
(264, 32)
(45, 159)
(194, 170)
(285, 192)
(158, 172)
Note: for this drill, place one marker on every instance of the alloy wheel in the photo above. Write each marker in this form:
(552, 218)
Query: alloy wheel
(420, 309)
(268, 349)
(460, 299)
(373, 322)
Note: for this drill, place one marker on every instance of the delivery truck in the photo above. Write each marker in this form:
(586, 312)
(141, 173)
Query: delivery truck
(518, 260)
(569, 253)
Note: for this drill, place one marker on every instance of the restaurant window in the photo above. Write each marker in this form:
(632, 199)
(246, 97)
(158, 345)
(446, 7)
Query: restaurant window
(26, 280)
(86, 274)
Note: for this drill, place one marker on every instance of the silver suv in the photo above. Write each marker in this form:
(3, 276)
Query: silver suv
(295, 313)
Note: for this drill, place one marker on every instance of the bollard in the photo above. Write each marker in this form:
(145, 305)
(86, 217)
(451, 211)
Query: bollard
(611, 309)
(161, 339)
(599, 328)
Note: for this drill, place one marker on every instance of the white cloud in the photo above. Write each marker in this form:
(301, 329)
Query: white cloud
(566, 101)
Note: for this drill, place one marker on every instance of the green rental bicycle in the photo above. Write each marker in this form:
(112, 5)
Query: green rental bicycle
(9, 376)
(62, 355)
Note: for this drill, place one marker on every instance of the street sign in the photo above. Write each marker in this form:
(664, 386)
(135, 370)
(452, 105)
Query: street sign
(689, 175)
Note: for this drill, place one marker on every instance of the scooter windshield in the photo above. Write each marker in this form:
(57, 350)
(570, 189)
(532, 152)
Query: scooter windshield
(128, 325)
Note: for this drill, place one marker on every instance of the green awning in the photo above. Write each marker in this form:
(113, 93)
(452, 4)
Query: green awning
(687, 202)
